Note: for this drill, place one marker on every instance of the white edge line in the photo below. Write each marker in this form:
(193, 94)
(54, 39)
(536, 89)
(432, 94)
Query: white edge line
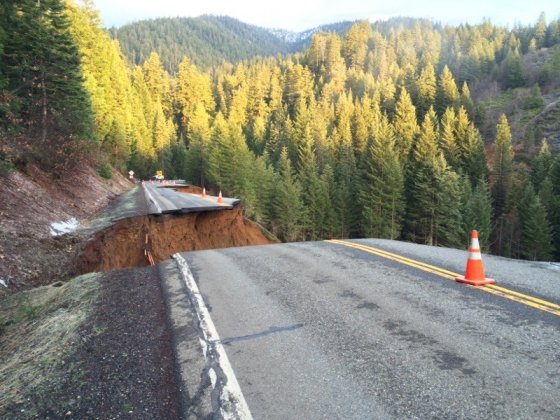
(152, 199)
(231, 392)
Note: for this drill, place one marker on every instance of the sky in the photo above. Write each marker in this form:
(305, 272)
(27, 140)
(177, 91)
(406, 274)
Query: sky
(299, 15)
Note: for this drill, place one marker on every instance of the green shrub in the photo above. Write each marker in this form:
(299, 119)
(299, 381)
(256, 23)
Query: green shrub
(104, 170)
(6, 167)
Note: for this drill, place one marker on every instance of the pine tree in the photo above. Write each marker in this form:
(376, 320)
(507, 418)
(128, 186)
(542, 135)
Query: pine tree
(477, 213)
(553, 204)
(433, 214)
(448, 140)
(502, 165)
(427, 88)
(345, 193)
(42, 64)
(502, 171)
(513, 73)
(535, 230)
(199, 143)
(405, 125)
(381, 193)
(540, 31)
(287, 208)
(472, 153)
(447, 92)
(541, 164)
(355, 45)
(221, 158)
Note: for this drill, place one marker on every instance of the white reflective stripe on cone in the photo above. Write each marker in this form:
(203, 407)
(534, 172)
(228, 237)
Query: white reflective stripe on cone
(474, 243)
(475, 255)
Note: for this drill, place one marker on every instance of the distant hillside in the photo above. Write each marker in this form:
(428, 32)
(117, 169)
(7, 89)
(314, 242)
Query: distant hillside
(206, 40)
(532, 106)
(209, 40)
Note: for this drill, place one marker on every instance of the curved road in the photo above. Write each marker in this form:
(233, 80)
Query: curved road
(163, 198)
(327, 330)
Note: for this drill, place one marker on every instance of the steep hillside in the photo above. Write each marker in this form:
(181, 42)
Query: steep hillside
(206, 40)
(532, 108)
(209, 40)
(31, 201)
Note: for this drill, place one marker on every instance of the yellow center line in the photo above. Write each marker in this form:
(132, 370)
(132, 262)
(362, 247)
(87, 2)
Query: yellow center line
(531, 301)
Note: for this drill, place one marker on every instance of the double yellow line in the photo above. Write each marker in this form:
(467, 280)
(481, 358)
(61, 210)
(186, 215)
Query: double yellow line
(531, 301)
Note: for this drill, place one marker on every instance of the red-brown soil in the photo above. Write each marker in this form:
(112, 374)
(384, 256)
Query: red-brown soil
(29, 202)
(123, 244)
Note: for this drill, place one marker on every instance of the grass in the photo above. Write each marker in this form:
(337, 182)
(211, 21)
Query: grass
(38, 328)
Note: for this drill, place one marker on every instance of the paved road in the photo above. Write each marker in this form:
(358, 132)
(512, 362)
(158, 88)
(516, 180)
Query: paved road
(165, 199)
(323, 330)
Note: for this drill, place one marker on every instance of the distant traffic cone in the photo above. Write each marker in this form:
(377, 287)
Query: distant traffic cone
(220, 197)
(474, 273)
(204, 193)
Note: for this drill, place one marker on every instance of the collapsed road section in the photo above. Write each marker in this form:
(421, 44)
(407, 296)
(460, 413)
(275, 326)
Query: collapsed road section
(186, 221)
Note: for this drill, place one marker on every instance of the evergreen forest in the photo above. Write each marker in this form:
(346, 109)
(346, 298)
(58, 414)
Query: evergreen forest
(403, 129)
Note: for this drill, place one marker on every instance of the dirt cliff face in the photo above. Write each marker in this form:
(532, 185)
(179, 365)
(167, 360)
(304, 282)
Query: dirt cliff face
(30, 200)
(123, 244)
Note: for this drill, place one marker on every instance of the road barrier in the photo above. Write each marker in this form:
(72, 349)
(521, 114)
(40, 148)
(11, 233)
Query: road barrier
(474, 272)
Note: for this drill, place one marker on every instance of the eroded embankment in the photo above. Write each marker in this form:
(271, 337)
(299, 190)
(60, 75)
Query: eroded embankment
(124, 244)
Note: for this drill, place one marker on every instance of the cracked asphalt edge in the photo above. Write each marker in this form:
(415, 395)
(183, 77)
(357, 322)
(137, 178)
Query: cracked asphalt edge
(191, 364)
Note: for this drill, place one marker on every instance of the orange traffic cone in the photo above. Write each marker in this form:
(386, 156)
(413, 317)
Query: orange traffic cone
(204, 193)
(474, 273)
(220, 197)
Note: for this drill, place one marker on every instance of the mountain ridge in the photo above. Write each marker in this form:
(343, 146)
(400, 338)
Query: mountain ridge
(209, 40)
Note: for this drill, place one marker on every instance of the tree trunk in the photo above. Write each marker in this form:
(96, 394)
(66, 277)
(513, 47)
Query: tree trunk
(44, 109)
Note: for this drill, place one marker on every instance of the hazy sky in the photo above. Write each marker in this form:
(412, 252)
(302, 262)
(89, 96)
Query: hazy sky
(298, 15)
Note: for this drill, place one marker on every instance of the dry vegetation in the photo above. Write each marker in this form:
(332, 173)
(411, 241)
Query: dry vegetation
(38, 328)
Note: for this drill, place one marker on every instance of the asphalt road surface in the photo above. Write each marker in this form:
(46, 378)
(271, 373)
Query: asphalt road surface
(165, 199)
(327, 330)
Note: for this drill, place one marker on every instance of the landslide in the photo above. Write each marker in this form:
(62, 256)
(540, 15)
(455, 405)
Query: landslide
(30, 200)
(124, 244)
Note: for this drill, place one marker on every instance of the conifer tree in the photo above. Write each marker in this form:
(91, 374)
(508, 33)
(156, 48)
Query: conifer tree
(355, 45)
(535, 230)
(448, 140)
(553, 204)
(541, 164)
(513, 73)
(381, 193)
(502, 171)
(433, 192)
(287, 208)
(427, 88)
(447, 92)
(221, 155)
(477, 212)
(405, 125)
(42, 64)
(345, 193)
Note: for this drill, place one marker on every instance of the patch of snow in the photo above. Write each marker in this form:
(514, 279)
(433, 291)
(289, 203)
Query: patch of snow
(60, 228)
(3, 283)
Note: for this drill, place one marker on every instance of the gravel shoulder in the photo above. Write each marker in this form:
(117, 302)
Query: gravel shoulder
(117, 363)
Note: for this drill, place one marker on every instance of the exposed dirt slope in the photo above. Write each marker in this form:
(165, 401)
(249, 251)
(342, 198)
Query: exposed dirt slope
(29, 203)
(123, 244)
